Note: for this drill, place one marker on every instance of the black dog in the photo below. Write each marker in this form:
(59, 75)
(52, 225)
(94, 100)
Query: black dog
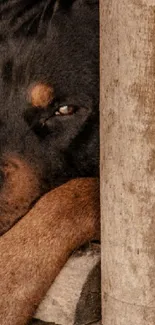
(49, 134)
(49, 99)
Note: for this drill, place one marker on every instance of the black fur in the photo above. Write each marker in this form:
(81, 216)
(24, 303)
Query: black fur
(56, 43)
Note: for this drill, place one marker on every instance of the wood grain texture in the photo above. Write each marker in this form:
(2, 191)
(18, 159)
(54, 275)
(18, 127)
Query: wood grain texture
(128, 161)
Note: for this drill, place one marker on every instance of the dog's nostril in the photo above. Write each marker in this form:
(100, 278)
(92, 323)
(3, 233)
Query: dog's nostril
(1, 178)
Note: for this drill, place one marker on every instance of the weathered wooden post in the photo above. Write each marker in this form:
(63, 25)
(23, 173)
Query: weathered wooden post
(128, 161)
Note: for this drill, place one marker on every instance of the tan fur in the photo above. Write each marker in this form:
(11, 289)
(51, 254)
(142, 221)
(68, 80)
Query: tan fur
(36, 248)
(40, 95)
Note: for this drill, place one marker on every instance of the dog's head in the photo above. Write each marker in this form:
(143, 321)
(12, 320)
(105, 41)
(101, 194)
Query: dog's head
(49, 89)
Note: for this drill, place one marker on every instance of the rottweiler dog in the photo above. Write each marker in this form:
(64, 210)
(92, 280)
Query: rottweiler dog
(49, 142)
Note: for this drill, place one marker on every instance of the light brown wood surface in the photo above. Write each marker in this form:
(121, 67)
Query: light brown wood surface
(128, 161)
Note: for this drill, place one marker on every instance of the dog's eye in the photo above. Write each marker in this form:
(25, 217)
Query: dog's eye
(66, 110)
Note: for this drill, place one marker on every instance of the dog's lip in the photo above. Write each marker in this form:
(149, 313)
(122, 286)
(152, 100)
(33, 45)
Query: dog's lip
(20, 190)
(6, 226)
(1, 178)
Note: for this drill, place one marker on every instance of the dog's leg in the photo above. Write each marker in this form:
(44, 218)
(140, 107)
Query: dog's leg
(35, 249)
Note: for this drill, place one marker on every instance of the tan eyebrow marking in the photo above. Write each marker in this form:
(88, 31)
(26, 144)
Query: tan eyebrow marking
(40, 95)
